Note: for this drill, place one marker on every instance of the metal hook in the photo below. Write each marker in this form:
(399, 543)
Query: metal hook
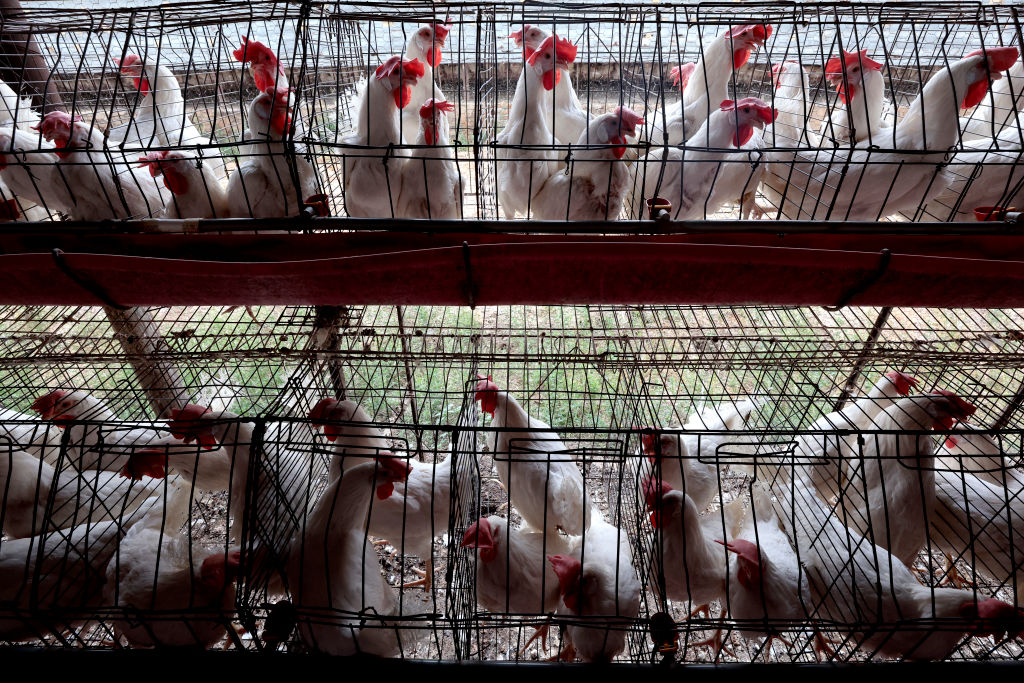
(883, 265)
(84, 282)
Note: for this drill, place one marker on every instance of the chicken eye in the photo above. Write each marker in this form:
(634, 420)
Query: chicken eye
(746, 110)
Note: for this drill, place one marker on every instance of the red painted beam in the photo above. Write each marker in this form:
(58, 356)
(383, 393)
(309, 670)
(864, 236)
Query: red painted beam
(415, 269)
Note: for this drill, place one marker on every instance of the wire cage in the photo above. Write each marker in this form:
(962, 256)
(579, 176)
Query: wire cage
(834, 150)
(616, 384)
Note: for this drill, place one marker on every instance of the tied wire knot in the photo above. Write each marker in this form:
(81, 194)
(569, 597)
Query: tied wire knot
(387, 154)
(568, 159)
(754, 156)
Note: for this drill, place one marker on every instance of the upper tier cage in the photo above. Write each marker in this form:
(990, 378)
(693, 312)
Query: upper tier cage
(837, 82)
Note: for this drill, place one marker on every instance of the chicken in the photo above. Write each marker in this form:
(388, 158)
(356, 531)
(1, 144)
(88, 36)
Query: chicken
(600, 592)
(24, 432)
(861, 90)
(548, 489)
(29, 172)
(156, 572)
(195, 190)
(230, 439)
(17, 111)
(865, 184)
(595, 184)
(765, 580)
(332, 568)
(698, 183)
(863, 591)
(159, 119)
(205, 470)
(102, 184)
(266, 69)
(792, 101)
(687, 461)
(985, 173)
(523, 162)
(979, 523)
(431, 183)
(563, 112)
(426, 46)
(416, 513)
(96, 440)
(274, 178)
(512, 574)
(999, 112)
(51, 583)
(980, 454)
(829, 455)
(373, 177)
(686, 563)
(348, 427)
(675, 123)
(891, 494)
(35, 499)
(708, 83)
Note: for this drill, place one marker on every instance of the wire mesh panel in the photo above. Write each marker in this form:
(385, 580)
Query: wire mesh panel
(455, 111)
(682, 426)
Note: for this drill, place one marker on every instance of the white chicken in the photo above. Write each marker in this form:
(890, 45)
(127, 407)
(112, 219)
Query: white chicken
(857, 583)
(1000, 111)
(792, 101)
(416, 513)
(524, 162)
(431, 182)
(979, 523)
(891, 494)
(686, 563)
(103, 184)
(332, 568)
(865, 184)
(765, 580)
(545, 485)
(971, 450)
(594, 186)
(267, 70)
(195, 190)
(830, 455)
(96, 440)
(699, 183)
(512, 573)
(27, 433)
(426, 45)
(348, 427)
(173, 593)
(274, 179)
(35, 499)
(687, 461)
(986, 173)
(563, 111)
(708, 83)
(861, 90)
(600, 593)
(50, 583)
(29, 173)
(373, 177)
(159, 119)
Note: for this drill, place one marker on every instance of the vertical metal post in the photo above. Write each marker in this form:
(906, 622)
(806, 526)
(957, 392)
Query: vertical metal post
(409, 387)
(139, 335)
(327, 337)
(862, 358)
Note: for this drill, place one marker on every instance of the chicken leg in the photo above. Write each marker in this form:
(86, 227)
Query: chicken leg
(426, 580)
(542, 633)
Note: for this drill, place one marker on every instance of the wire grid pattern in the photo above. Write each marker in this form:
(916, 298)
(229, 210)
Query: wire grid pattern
(595, 373)
(625, 55)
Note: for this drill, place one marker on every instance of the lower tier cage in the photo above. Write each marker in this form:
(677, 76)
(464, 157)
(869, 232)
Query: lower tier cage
(797, 430)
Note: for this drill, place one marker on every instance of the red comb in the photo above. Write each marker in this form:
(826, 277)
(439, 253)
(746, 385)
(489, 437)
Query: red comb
(681, 74)
(428, 108)
(146, 463)
(185, 424)
(999, 58)
(961, 408)
(834, 66)
(47, 402)
(761, 31)
(441, 30)
(565, 51)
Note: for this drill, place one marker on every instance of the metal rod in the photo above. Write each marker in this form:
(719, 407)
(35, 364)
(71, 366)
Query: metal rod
(327, 337)
(409, 386)
(862, 358)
